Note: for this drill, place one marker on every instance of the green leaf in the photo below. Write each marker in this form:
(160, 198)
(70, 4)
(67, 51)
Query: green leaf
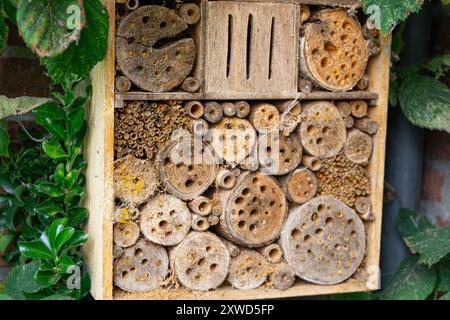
(4, 31)
(394, 84)
(77, 216)
(52, 233)
(79, 59)
(53, 149)
(9, 7)
(47, 278)
(50, 110)
(76, 120)
(49, 207)
(22, 280)
(445, 2)
(412, 281)
(4, 139)
(20, 105)
(426, 102)
(60, 174)
(12, 284)
(445, 297)
(5, 297)
(443, 268)
(388, 13)
(71, 178)
(63, 237)
(431, 244)
(53, 127)
(48, 188)
(65, 263)
(55, 297)
(410, 223)
(439, 65)
(79, 238)
(5, 241)
(35, 250)
(44, 24)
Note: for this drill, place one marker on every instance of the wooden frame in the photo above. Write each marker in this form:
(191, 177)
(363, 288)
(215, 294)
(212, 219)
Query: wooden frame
(99, 152)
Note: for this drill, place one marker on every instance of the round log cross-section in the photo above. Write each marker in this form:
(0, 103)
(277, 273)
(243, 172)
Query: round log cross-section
(187, 169)
(333, 52)
(152, 68)
(165, 220)
(254, 211)
(201, 262)
(323, 241)
(323, 132)
(249, 270)
(142, 267)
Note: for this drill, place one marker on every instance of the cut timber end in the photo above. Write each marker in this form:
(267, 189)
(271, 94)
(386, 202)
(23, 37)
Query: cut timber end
(226, 179)
(149, 68)
(323, 131)
(359, 108)
(213, 112)
(194, 109)
(190, 13)
(200, 223)
(201, 206)
(282, 277)
(367, 125)
(126, 234)
(201, 261)
(300, 186)
(254, 211)
(190, 84)
(142, 267)
(323, 241)
(165, 220)
(249, 270)
(123, 84)
(242, 109)
(358, 147)
(333, 52)
(265, 117)
(272, 252)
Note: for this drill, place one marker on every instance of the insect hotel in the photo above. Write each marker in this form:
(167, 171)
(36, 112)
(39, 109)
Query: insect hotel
(236, 150)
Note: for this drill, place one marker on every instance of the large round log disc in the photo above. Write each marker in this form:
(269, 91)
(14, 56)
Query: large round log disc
(155, 69)
(165, 220)
(323, 241)
(201, 261)
(142, 267)
(333, 53)
(254, 211)
(323, 131)
(187, 169)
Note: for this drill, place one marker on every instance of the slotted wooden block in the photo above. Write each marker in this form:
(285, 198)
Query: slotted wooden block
(251, 47)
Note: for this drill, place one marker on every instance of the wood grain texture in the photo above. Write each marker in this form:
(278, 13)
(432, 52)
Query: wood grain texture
(251, 47)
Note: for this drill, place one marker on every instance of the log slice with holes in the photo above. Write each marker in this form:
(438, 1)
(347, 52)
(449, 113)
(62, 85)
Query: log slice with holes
(148, 66)
(333, 53)
(187, 169)
(165, 220)
(358, 147)
(254, 211)
(323, 131)
(249, 270)
(126, 234)
(201, 262)
(300, 186)
(233, 139)
(278, 154)
(142, 267)
(323, 241)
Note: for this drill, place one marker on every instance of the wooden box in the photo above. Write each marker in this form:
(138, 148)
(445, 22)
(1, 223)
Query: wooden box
(99, 152)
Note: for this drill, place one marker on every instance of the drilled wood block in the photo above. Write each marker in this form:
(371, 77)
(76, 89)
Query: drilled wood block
(251, 47)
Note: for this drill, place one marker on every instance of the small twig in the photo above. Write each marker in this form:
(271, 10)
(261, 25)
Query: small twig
(28, 133)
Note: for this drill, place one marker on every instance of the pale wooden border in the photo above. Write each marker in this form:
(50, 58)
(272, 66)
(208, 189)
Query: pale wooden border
(99, 200)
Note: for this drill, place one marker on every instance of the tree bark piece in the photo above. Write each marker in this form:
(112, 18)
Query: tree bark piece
(194, 109)
(323, 131)
(225, 179)
(142, 267)
(185, 171)
(358, 147)
(323, 241)
(344, 108)
(201, 261)
(254, 211)
(364, 208)
(229, 109)
(165, 220)
(190, 13)
(190, 84)
(272, 252)
(333, 52)
(135, 180)
(199, 223)
(265, 117)
(154, 69)
(126, 234)
(201, 206)
(359, 108)
(282, 277)
(242, 109)
(300, 186)
(213, 112)
(367, 125)
(233, 140)
(311, 162)
(249, 270)
(122, 84)
(279, 155)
